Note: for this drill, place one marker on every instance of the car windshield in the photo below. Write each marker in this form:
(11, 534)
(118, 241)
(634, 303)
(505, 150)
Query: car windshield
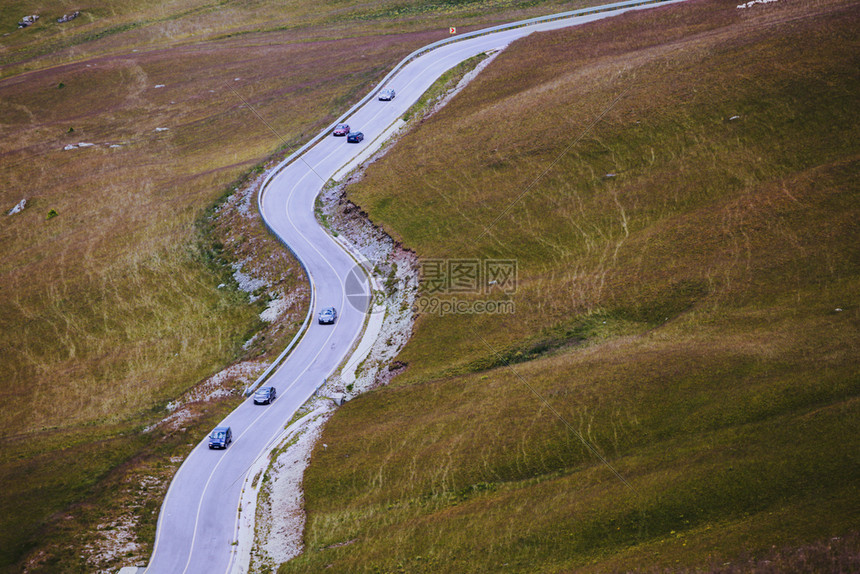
(340, 126)
(218, 434)
(263, 392)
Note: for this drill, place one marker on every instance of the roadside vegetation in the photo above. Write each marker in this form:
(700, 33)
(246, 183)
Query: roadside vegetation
(445, 84)
(678, 387)
(116, 289)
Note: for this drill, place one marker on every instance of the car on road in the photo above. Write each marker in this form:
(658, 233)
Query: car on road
(386, 95)
(354, 137)
(328, 316)
(341, 129)
(265, 395)
(220, 437)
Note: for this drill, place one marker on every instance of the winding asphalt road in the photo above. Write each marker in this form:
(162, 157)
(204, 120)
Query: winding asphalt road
(197, 523)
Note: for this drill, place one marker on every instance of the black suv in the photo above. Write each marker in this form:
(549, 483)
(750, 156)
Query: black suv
(265, 395)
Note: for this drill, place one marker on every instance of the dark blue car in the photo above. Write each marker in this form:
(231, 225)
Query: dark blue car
(220, 437)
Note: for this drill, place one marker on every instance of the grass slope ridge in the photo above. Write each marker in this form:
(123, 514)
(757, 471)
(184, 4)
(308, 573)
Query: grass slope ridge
(688, 303)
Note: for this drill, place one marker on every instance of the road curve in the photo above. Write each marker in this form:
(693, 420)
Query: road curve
(196, 525)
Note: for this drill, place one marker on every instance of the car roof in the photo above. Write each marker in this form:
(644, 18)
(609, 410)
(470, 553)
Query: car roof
(225, 429)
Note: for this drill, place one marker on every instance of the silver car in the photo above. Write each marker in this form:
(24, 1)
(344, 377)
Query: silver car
(328, 316)
(386, 95)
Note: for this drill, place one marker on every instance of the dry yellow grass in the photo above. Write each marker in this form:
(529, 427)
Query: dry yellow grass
(693, 319)
(111, 308)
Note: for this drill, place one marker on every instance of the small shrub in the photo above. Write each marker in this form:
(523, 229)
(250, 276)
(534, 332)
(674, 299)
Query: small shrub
(52, 213)
(391, 280)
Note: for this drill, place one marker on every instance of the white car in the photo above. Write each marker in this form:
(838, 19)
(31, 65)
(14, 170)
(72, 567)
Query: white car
(386, 95)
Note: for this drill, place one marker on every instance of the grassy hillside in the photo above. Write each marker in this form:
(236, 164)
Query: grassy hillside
(111, 308)
(106, 27)
(678, 385)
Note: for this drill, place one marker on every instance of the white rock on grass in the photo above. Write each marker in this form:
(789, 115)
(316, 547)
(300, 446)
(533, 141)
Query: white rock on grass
(274, 310)
(752, 3)
(247, 344)
(114, 540)
(278, 307)
(78, 145)
(221, 384)
(19, 207)
(246, 282)
(245, 206)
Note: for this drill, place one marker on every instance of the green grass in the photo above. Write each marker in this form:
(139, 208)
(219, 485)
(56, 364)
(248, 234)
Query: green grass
(694, 319)
(111, 308)
(580, 238)
(95, 474)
